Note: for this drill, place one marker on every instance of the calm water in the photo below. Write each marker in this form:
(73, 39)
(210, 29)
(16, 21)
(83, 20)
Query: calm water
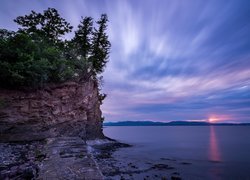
(215, 152)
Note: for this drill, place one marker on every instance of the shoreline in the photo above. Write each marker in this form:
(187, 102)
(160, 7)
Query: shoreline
(52, 158)
(114, 166)
(74, 158)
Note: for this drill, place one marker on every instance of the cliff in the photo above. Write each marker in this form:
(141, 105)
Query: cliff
(43, 133)
(68, 109)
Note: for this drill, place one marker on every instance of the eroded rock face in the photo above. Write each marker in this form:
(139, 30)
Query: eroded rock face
(69, 109)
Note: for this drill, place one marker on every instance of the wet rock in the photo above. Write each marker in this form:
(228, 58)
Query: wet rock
(104, 151)
(176, 173)
(168, 159)
(68, 158)
(17, 161)
(162, 166)
(186, 163)
(175, 178)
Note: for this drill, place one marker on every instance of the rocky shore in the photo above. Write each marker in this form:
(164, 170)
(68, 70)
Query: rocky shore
(55, 158)
(20, 160)
(116, 165)
(73, 158)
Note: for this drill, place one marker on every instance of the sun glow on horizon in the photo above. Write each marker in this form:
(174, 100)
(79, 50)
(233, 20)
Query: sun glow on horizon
(218, 118)
(213, 119)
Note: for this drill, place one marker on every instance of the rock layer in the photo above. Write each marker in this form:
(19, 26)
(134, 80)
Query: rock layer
(68, 109)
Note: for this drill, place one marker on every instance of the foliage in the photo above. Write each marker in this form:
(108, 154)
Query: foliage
(82, 39)
(102, 118)
(100, 46)
(48, 24)
(36, 54)
(102, 97)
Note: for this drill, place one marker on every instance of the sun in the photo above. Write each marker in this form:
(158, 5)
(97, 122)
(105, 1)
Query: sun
(213, 119)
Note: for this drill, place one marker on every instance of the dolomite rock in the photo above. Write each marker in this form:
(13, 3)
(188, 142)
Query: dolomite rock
(69, 109)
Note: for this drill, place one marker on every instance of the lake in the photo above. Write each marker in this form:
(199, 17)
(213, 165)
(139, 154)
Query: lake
(195, 152)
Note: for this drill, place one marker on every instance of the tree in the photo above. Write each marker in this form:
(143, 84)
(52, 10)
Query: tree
(49, 24)
(100, 46)
(82, 39)
(79, 48)
(36, 54)
(21, 62)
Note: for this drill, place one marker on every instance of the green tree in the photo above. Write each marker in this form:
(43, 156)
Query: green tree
(100, 46)
(79, 48)
(36, 54)
(49, 24)
(82, 39)
(21, 62)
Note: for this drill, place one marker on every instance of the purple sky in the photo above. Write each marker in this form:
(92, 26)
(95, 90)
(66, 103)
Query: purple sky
(170, 60)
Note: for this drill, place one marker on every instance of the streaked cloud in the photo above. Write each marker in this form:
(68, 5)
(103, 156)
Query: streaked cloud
(170, 60)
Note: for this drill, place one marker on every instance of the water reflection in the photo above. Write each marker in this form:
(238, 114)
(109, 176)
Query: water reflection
(214, 153)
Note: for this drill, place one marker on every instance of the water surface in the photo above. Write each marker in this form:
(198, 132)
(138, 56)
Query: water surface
(197, 152)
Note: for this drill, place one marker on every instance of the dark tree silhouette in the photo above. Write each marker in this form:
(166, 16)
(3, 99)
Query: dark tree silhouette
(100, 46)
(49, 24)
(82, 39)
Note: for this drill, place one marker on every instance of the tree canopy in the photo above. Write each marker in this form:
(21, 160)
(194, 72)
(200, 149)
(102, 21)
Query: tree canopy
(37, 54)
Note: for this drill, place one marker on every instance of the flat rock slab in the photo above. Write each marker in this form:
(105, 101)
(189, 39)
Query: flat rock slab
(68, 158)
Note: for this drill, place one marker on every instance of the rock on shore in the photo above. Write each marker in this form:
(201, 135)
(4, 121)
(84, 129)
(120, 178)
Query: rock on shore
(54, 158)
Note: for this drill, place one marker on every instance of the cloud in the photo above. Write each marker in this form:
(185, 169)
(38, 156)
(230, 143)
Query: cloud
(183, 53)
(170, 60)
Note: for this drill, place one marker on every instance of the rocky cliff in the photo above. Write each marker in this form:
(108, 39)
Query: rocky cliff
(69, 109)
(43, 133)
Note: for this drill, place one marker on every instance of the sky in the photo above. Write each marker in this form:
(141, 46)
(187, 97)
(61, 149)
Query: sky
(170, 60)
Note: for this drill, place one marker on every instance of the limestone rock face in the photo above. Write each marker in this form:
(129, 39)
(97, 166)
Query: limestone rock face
(69, 109)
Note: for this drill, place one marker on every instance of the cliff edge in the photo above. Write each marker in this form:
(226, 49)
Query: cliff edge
(68, 109)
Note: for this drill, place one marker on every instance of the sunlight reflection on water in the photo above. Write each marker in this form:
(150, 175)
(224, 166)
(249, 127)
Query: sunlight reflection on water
(214, 153)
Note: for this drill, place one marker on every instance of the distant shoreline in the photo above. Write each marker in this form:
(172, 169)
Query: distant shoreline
(172, 123)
